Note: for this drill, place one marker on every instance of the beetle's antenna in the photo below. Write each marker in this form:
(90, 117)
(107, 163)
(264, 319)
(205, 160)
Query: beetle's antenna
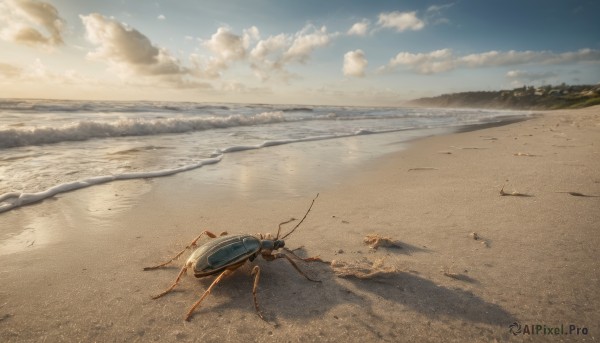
(285, 222)
(306, 214)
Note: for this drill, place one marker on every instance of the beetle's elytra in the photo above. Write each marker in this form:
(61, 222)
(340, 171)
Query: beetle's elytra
(215, 255)
(225, 254)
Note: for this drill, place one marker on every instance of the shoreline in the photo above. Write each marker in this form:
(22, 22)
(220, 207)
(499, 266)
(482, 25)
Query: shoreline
(537, 263)
(15, 199)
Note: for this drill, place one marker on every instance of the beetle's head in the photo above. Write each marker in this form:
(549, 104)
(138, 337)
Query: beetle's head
(278, 244)
(271, 244)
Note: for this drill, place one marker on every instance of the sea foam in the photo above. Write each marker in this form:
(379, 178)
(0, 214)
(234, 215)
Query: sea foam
(89, 129)
(11, 200)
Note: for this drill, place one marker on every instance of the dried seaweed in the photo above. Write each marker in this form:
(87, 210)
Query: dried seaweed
(363, 269)
(374, 241)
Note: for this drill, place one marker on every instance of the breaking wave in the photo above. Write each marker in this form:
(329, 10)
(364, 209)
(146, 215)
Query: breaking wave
(89, 129)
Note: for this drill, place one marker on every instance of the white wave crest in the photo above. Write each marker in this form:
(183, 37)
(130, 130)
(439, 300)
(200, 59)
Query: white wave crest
(90, 129)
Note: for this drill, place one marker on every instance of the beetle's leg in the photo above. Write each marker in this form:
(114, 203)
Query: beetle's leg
(256, 273)
(271, 257)
(181, 273)
(213, 284)
(308, 259)
(193, 244)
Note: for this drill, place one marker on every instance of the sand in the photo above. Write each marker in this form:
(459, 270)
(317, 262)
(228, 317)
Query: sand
(72, 266)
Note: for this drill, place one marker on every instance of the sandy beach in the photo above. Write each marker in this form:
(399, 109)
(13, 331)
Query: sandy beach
(72, 265)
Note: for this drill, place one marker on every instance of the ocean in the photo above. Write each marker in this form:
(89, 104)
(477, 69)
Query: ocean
(53, 146)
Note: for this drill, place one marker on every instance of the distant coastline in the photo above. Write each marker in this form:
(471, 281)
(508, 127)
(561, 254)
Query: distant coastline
(523, 98)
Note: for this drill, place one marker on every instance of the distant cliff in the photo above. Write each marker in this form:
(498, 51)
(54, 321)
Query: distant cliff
(524, 98)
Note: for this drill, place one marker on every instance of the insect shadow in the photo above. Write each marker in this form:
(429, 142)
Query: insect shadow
(435, 301)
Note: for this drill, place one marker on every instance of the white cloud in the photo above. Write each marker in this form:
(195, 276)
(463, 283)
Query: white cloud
(305, 43)
(250, 35)
(161, 17)
(270, 56)
(444, 60)
(226, 45)
(401, 21)
(36, 72)
(359, 29)
(268, 46)
(355, 63)
(520, 76)
(31, 22)
(9, 71)
(131, 53)
(439, 8)
(424, 63)
(434, 14)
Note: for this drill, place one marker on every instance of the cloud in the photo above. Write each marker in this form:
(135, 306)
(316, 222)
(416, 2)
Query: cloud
(355, 63)
(434, 15)
(268, 46)
(10, 71)
(401, 21)
(270, 56)
(226, 45)
(128, 49)
(519, 76)
(359, 29)
(424, 63)
(161, 17)
(31, 22)
(438, 8)
(444, 60)
(36, 72)
(305, 42)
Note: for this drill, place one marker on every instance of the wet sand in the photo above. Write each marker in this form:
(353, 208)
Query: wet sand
(72, 265)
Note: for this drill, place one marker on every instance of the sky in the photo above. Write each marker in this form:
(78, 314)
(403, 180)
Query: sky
(350, 52)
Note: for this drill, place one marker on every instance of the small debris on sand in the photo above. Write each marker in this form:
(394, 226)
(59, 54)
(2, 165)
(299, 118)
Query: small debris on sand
(514, 193)
(467, 147)
(363, 269)
(447, 271)
(374, 241)
(452, 275)
(524, 154)
(422, 168)
(475, 236)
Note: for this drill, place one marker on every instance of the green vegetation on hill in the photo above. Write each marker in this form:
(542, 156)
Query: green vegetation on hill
(524, 98)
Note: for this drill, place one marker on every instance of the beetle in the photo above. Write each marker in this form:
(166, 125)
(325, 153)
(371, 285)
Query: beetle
(223, 255)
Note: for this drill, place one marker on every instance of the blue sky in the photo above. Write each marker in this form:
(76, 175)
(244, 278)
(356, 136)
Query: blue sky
(303, 52)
